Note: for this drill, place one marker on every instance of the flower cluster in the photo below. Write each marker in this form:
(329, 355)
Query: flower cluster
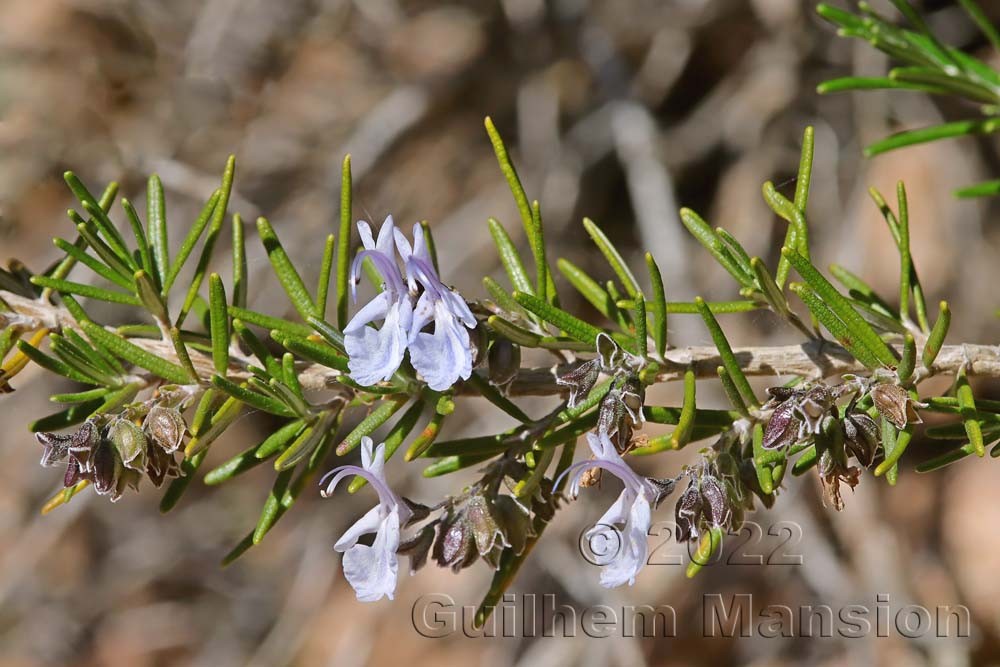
(113, 453)
(478, 524)
(811, 415)
(407, 306)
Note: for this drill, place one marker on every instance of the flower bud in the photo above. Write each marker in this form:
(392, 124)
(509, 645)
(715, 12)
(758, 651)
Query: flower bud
(128, 479)
(687, 513)
(715, 502)
(485, 529)
(160, 464)
(85, 441)
(56, 447)
(165, 426)
(861, 437)
(580, 380)
(106, 468)
(894, 403)
(455, 545)
(418, 546)
(130, 443)
(515, 522)
(664, 487)
(783, 426)
(504, 361)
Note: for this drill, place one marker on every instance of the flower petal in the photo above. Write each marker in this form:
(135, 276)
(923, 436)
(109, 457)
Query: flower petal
(369, 523)
(632, 556)
(375, 309)
(374, 355)
(372, 571)
(443, 357)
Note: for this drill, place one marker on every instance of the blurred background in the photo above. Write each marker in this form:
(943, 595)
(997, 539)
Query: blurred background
(621, 111)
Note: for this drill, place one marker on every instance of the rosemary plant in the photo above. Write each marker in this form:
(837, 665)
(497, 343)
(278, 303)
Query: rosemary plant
(156, 394)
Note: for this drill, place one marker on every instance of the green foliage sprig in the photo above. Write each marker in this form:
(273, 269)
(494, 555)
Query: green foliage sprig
(155, 395)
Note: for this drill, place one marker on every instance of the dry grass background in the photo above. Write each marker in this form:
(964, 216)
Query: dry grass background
(621, 111)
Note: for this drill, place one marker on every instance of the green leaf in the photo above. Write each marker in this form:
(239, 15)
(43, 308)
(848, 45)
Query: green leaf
(399, 432)
(613, 256)
(769, 288)
(859, 289)
(252, 398)
(214, 229)
(947, 458)
(532, 224)
(955, 86)
(986, 189)
(641, 337)
(981, 20)
(841, 307)
(187, 246)
(852, 83)
(760, 460)
(658, 306)
(325, 271)
(938, 333)
(78, 254)
(574, 327)
(156, 221)
(80, 396)
(278, 440)
(89, 291)
(307, 442)
(512, 332)
(176, 337)
(510, 258)
(711, 542)
(935, 132)
(967, 408)
(805, 169)
(273, 509)
(344, 243)
(285, 270)
(321, 353)
(219, 328)
(134, 354)
(329, 334)
(71, 416)
(426, 439)
(685, 425)
(450, 464)
(88, 232)
(591, 290)
(150, 297)
(840, 331)
(732, 392)
(366, 426)
(241, 274)
(711, 241)
(729, 361)
(56, 366)
(145, 253)
(908, 361)
(269, 322)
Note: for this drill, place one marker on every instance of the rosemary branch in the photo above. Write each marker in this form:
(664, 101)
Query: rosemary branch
(814, 359)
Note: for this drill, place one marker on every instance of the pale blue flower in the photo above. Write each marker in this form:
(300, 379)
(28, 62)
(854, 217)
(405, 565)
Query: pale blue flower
(375, 354)
(626, 523)
(371, 570)
(443, 356)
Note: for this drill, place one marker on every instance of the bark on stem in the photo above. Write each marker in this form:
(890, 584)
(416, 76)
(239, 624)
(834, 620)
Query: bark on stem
(812, 359)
